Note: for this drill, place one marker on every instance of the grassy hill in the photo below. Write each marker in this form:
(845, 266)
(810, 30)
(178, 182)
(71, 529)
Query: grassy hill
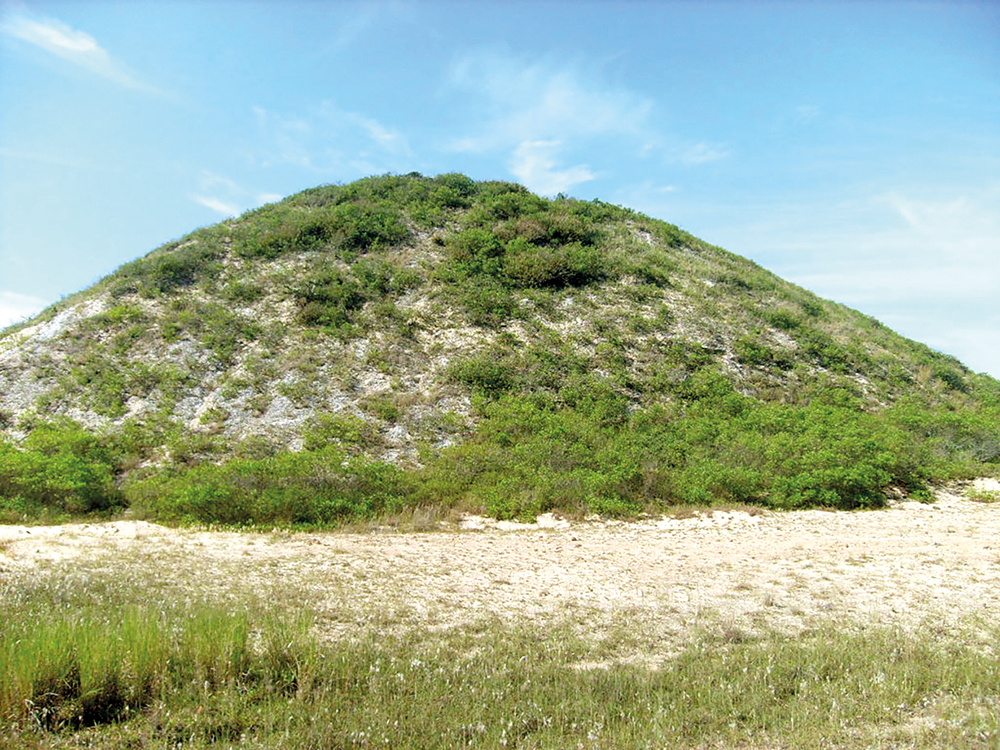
(402, 340)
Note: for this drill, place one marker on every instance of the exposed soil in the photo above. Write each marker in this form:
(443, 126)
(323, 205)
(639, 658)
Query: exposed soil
(908, 565)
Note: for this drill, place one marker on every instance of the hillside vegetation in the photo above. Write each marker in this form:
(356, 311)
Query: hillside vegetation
(355, 350)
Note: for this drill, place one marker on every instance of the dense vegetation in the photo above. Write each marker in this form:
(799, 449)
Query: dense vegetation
(535, 355)
(112, 664)
(91, 666)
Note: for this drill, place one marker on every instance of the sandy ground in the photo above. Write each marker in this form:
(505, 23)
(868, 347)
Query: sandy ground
(908, 565)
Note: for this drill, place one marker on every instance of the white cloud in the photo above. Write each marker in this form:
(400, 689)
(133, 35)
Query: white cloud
(219, 206)
(351, 30)
(520, 107)
(40, 158)
(924, 261)
(700, 153)
(329, 140)
(965, 226)
(531, 102)
(807, 112)
(15, 307)
(226, 197)
(58, 38)
(389, 139)
(534, 165)
(76, 47)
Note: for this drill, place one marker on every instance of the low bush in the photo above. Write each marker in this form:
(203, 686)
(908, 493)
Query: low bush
(590, 452)
(173, 266)
(311, 488)
(348, 229)
(328, 298)
(750, 350)
(343, 430)
(61, 470)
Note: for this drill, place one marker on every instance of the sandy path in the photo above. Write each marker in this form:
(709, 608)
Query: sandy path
(906, 565)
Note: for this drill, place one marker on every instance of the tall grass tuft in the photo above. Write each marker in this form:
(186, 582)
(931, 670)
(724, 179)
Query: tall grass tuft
(83, 668)
(217, 677)
(80, 669)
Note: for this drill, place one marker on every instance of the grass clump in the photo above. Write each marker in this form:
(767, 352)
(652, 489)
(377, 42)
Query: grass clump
(983, 495)
(79, 669)
(213, 676)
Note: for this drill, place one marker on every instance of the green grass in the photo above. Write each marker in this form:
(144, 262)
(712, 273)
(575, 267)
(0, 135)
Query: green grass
(983, 495)
(96, 669)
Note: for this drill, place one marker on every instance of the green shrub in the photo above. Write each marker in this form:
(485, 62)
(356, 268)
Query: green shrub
(242, 291)
(951, 378)
(596, 398)
(567, 265)
(347, 228)
(176, 265)
(311, 488)
(383, 407)
(824, 351)
(650, 267)
(359, 228)
(812, 308)
(488, 303)
(60, 471)
(114, 317)
(339, 429)
(474, 252)
(536, 247)
(488, 373)
(783, 320)
(503, 201)
(105, 384)
(328, 298)
(550, 228)
(750, 351)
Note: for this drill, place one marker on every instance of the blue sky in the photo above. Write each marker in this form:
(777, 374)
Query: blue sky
(850, 147)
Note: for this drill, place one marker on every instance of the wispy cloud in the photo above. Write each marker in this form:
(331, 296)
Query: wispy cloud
(923, 260)
(219, 206)
(534, 164)
(350, 30)
(226, 197)
(328, 139)
(525, 107)
(15, 307)
(699, 153)
(40, 158)
(538, 101)
(74, 46)
(964, 226)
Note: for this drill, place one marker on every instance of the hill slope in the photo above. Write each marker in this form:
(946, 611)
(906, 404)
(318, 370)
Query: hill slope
(400, 322)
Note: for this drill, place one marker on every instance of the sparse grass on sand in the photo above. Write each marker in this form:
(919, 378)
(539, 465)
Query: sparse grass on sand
(110, 662)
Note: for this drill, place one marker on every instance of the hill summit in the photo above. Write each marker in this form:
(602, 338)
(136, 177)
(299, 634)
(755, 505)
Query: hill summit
(411, 339)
